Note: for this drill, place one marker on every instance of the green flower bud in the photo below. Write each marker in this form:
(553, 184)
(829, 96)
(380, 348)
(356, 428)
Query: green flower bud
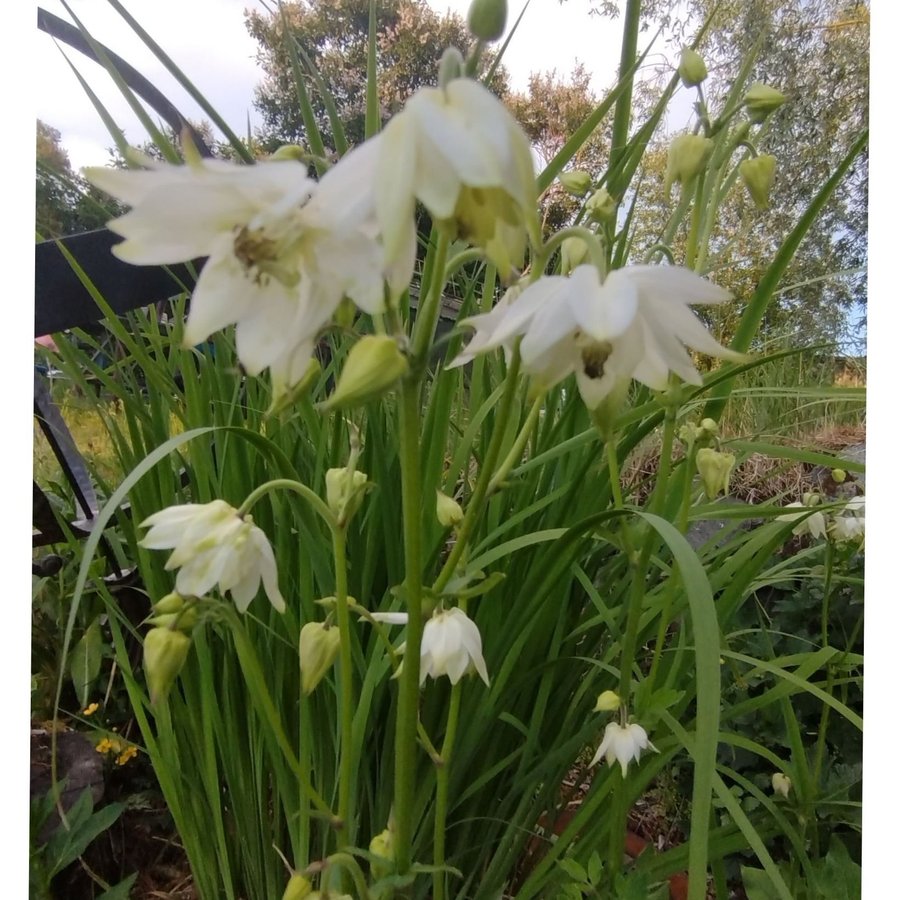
(164, 654)
(487, 19)
(688, 155)
(184, 620)
(297, 888)
(290, 152)
(715, 470)
(608, 701)
(600, 206)
(781, 784)
(710, 426)
(319, 646)
(761, 100)
(382, 846)
(171, 603)
(838, 476)
(577, 182)
(811, 498)
(373, 366)
(692, 68)
(574, 252)
(344, 492)
(449, 512)
(758, 174)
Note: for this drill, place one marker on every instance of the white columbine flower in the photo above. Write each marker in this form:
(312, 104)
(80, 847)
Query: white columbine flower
(634, 325)
(213, 545)
(451, 644)
(623, 743)
(813, 525)
(851, 524)
(283, 250)
(459, 151)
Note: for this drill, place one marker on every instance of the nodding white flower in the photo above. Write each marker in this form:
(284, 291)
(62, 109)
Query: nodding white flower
(851, 524)
(214, 545)
(781, 784)
(634, 325)
(623, 743)
(283, 249)
(451, 644)
(813, 525)
(459, 151)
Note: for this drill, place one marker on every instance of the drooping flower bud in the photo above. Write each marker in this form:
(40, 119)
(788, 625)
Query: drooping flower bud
(760, 100)
(183, 620)
(758, 174)
(319, 646)
(688, 154)
(709, 426)
(487, 19)
(608, 701)
(449, 512)
(715, 470)
(692, 68)
(290, 152)
(573, 253)
(373, 365)
(382, 846)
(297, 888)
(600, 206)
(452, 65)
(165, 652)
(577, 182)
(781, 784)
(171, 603)
(344, 492)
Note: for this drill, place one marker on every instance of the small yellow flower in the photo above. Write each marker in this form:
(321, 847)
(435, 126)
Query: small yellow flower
(104, 746)
(129, 752)
(90, 710)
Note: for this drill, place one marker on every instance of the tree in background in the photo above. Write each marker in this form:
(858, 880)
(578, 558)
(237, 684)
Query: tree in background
(816, 52)
(334, 34)
(64, 202)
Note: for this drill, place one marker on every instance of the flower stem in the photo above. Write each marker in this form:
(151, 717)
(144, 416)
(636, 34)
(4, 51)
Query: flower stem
(473, 507)
(407, 705)
(443, 790)
(430, 308)
(310, 496)
(339, 543)
(515, 452)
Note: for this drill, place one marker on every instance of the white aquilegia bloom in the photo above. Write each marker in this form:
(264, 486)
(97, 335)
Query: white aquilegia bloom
(283, 249)
(623, 743)
(459, 151)
(635, 324)
(214, 545)
(850, 525)
(451, 644)
(814, 525)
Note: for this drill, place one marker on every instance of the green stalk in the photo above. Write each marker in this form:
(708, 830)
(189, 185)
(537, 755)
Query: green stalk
(443, 788)
(339, 543)
(407, 704)
(473, 507)
(430, 308)
(622, 115)
(515, 452)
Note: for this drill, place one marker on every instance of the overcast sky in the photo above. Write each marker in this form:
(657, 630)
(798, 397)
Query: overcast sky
(209, 41)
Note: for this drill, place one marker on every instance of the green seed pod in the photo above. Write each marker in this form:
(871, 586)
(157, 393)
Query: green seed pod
(165, 652)
(487, 19)
(373, 366)
(319, 646)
